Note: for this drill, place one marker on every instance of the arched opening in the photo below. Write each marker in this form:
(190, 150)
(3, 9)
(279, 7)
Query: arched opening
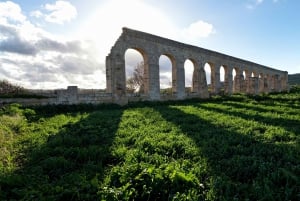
(252, 74)
(244, 74)
(134, 71)
(233, 74)
(188, 75)
(207, 69)
(234, 80)
(222, 79)
(165, 74)
(261, 82)
(222, 73)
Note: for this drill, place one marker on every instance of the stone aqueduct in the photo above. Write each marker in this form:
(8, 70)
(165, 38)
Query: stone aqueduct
(250, 77)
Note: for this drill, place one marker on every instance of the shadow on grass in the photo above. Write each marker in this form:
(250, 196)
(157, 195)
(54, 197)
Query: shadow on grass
(242, 167)
(70, 165)
(291, 125)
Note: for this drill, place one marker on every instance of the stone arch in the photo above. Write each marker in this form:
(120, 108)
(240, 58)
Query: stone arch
(245, 73)
(222, 78)
(234, 73)
(166, 67)
(246, 80)
(199, 83)
(227, 78)
(275, 83)
(261, 82)
(208, 68)
(189, 69)
(135, 58)
(223, 69)
(252, 82)
(151, 47)
(239, 79)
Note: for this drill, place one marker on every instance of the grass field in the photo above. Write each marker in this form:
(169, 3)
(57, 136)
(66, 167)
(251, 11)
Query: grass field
(234, 148)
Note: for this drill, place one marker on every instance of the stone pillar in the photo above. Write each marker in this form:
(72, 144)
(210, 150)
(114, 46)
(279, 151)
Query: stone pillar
(115, 75)
(109, 74)
(153, 76)
(276, 83)
(203, 83)
(146, 79)
(239, 81)
(179, 78)
(271, 83)
(261, 83)
(247, 82)
(284, 82)
(199, 85)
(266, 83)
(228, 81)
(253, 82)
(196, 79)
(215, 78)
(279, 85)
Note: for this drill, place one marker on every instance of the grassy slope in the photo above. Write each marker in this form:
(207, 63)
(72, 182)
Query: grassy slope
(237, 148)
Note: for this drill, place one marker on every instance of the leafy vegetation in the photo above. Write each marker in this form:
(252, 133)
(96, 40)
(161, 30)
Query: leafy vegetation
(10, 90)
(134, 82)
(233, 148)
(7, 88)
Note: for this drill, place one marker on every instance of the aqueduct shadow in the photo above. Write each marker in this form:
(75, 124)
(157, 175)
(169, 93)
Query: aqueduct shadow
(240, 164)
(291, 125)
(261, 108)
(70, 164)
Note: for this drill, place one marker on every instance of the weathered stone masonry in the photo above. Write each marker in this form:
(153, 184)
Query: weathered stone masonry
(250, 77)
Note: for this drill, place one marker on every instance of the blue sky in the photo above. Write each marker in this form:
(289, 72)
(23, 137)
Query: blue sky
(53, 44)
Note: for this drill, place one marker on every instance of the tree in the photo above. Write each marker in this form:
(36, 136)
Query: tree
(8, 88)
(135, 83)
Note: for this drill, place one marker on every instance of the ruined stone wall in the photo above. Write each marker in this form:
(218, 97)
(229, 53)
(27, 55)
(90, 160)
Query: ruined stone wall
(251, 78)
(71, 95)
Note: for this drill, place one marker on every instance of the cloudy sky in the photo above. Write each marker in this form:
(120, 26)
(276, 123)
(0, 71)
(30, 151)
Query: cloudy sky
(53, 44)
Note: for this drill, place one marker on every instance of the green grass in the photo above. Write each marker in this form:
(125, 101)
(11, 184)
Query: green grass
(234, 148)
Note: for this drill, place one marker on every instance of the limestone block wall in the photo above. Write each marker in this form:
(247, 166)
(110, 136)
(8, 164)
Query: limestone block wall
(250, 77)
(71, 95)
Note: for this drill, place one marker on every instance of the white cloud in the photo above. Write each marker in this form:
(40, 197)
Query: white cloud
(58, 13)
(36, 14)
(11, 11)
(34, 58)
(197, 30)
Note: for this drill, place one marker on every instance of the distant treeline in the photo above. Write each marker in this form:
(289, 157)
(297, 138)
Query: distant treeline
(294, 79)
(7, 88)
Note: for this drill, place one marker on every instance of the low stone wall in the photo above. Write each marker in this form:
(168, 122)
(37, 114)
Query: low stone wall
(74, 95)
(71, 95)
